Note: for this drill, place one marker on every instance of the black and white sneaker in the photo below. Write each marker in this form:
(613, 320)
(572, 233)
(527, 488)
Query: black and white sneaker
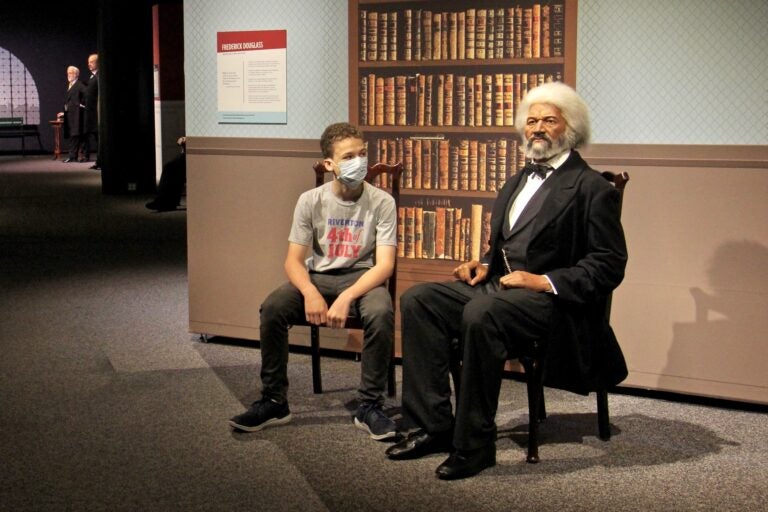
(370, 418)
(262, 413)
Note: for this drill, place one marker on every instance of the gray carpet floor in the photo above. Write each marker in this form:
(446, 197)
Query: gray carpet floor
(107, 402)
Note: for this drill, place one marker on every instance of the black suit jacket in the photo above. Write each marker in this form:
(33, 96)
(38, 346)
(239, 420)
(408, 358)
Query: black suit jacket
(92, 103)
(578, 242)
(73, 110)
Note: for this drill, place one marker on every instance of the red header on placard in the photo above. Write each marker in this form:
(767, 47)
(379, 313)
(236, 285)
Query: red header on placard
(251, 40)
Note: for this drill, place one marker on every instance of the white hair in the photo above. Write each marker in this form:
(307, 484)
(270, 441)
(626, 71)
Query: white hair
(572, 107)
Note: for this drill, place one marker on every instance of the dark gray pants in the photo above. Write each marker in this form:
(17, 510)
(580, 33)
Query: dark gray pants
(491, 326)
(285, 307)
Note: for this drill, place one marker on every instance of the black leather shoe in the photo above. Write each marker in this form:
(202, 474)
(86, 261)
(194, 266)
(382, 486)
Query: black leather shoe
(68, 160)
(419, 444)
(463, 464)
(94, 166)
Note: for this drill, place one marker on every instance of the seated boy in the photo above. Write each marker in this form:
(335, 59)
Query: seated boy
(350, 228)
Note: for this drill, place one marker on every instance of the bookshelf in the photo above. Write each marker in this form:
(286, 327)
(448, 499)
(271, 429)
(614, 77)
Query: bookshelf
(435, 84)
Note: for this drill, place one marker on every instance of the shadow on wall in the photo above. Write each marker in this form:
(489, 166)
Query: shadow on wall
(727, 340)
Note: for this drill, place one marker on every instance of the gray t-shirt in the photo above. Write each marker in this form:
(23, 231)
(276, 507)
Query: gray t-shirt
(343, 234)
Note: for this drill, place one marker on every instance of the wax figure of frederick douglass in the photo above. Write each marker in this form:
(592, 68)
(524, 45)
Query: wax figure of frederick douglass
(557, 250)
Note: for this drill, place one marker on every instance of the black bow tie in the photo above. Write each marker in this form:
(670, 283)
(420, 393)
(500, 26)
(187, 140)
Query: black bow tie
(539, 170)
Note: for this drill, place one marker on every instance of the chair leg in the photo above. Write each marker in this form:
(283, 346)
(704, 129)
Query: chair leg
(603, 421)
(535, 403)
(317, 378)
(391, 384)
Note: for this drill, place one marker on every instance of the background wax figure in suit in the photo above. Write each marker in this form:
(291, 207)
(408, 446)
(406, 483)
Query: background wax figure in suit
(91, 124)
(545, 280)
(74, 105)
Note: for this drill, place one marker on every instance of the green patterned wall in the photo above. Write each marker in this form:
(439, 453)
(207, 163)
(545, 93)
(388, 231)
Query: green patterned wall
(653, 71)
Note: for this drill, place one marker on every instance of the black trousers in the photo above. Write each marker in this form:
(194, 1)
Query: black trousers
(490, 326)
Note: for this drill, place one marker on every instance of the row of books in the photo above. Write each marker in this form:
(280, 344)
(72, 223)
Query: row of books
(534, 31)
(446, 99)
(436, 163)
(443, 233)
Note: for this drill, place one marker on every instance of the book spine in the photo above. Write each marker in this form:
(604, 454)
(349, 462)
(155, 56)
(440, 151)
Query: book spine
(461, 100)
(448, 100)
(428, 250)
(418, 238)
(392, 35)
(373, 36)
(428, 89)
(473, 156)
(469, 45)
(450, 219)
(509, 33)
(478, 100)
(426, 164)
(426, 33)
(440, 232)
(501, 163)
(379, 96)
(364, 99)
(453, 173)
(440, 100)
(453, 35)
(417, 36)
(363, 35)
(480, 34)
(401, 95)
(487, 100)
(536, 31)
(461, 36)
(383, 31)
(464, 164)
(482, 166)
(498, 99)
(558, 22)
(420, 86)
(476, 231)
(457, 238)
(389, 101)
(408, 34)
(443, 165)
(417, 163)
(409, 232)
(527, 33)
(500, 26)
(518, 31)
(407, 178)
(492, 166)
(546, 31)
(490, 31)
(437, 29)
(444, 36)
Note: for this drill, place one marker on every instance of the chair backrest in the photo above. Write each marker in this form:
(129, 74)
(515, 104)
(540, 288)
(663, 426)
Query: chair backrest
(376, 173)
(619, 181)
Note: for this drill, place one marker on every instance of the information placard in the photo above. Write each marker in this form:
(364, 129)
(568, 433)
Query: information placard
(251, 70)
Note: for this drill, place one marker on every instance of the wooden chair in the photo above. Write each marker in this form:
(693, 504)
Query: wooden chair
(534, 369)
(376, 173)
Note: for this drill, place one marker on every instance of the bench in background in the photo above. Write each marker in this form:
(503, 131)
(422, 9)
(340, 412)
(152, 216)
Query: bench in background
(14, 128)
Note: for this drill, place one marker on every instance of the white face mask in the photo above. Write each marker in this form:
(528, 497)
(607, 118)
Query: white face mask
(352, 172)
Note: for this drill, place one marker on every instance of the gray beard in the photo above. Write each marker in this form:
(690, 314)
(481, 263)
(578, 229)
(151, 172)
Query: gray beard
(545, 153)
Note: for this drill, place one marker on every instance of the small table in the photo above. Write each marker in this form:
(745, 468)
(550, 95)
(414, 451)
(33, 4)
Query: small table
(56, 124)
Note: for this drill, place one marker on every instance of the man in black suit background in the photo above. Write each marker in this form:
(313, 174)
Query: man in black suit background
(557, 250)
(91, 135)
(74, 105)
